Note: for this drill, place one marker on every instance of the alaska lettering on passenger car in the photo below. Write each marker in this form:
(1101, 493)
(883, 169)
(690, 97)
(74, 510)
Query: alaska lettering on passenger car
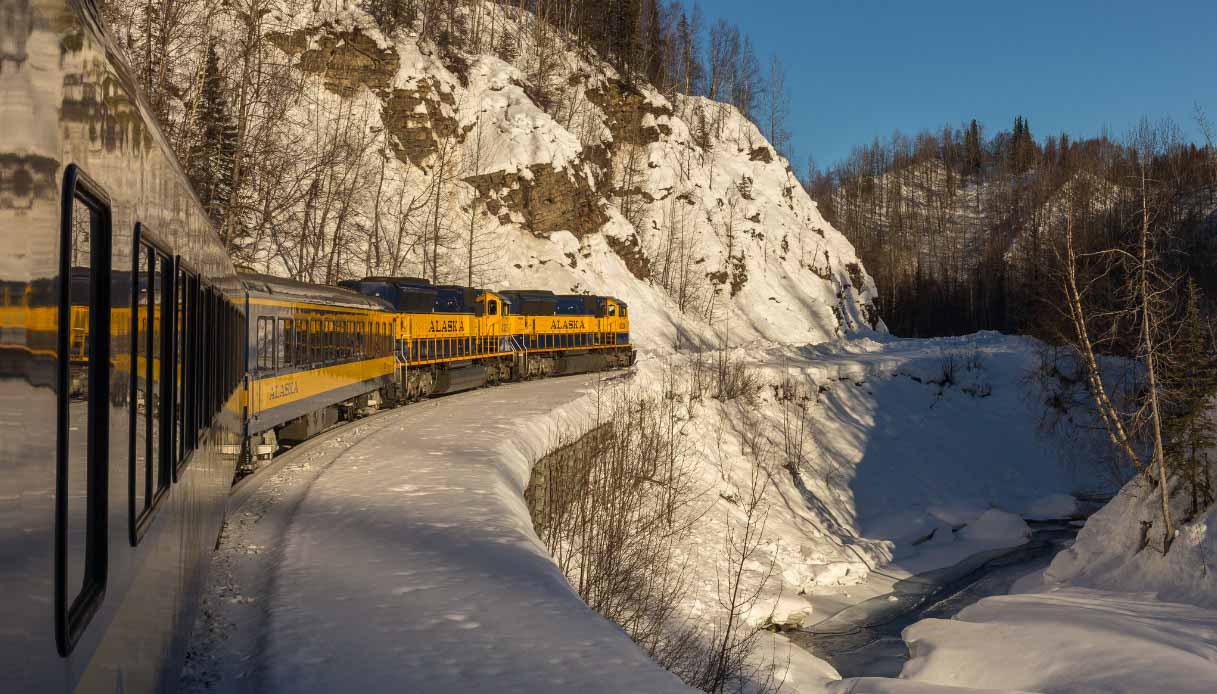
(283, 390)
(568, 324)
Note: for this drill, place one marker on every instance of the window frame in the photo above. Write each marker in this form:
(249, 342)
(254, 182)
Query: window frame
(160, 451)
(71, 620)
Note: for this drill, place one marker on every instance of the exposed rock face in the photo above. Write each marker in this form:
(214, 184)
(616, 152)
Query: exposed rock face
(551, 200)
(626, 110)
(417, 121)
(630, 251)
(345, 60)
(761, 154)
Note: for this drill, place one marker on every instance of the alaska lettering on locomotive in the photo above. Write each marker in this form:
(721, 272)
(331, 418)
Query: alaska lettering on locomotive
(444, 326)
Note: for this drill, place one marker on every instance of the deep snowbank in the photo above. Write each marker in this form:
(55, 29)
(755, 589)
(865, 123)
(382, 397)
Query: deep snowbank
(1069, 641)
(1106, 554)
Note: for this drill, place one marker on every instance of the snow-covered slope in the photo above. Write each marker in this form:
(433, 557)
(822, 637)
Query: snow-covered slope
(1109, 555)
(683, 210)
(894, 469)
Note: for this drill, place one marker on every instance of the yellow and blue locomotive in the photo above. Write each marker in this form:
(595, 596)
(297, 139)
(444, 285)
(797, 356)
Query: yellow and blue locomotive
(451, 338)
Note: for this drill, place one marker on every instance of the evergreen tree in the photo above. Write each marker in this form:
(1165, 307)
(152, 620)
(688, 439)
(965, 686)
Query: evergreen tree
(210, 163)
(655, 46)
(974, 150)
(1192, 389)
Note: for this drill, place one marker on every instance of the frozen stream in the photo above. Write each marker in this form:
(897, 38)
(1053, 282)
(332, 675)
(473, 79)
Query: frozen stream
(864, 640)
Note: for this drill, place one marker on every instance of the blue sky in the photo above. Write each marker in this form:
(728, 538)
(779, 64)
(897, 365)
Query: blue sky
(864, 68)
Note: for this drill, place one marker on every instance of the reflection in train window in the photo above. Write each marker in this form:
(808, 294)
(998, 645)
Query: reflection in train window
(141, 486)
(266, 343)
(179, 386)
(84, 399)
(152, 419)
(284, 351)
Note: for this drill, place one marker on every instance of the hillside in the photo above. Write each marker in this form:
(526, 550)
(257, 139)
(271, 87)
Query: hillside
(461, 165)
(965, 233)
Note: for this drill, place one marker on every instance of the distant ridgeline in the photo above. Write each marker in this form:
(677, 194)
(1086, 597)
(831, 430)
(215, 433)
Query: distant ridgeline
(963, 232)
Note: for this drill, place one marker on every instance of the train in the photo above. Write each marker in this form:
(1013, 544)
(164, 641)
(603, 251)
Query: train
(317, 355)
(141, 370)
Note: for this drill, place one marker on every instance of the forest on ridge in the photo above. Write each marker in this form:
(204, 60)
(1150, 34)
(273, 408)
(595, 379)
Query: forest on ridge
(963, 230)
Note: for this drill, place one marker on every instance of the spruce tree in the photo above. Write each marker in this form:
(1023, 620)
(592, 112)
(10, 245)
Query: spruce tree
(1189, 427)
(211, 154)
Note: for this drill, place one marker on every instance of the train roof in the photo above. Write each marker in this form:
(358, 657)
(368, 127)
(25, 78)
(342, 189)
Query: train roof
(295, 290)
(410, 281)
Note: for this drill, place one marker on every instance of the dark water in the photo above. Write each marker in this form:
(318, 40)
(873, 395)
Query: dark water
(863, 640)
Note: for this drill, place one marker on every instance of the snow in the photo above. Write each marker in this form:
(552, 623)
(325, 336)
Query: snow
(997, 526)
(1069, 641)
(1106, 554)
(403, 559)
(517, 133)
(1053, 506)
(1107, 615)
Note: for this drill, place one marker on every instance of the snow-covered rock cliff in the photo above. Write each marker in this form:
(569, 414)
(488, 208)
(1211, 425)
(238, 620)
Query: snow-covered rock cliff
(572, 180)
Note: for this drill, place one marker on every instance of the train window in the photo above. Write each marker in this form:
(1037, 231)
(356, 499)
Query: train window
(492, 307)
(612, 310)
(186, 304)
(83, 385)
(206, 372)
(215, 346)
(162, 392)
(212, 380)
(315, 339)
(140, 485)
(284, 350)
(179, 364)
(327, 342)
(266, 343)
(152, 427)
(194, 362)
